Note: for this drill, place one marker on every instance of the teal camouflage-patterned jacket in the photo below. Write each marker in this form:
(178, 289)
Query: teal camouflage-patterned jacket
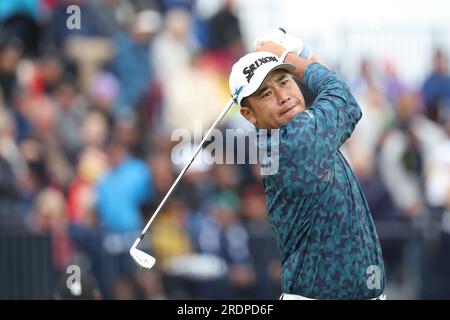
(320, 218)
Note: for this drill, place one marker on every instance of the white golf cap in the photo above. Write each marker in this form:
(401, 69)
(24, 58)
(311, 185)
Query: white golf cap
(251, 70)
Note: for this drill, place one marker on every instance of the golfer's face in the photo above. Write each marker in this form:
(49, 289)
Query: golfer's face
(276, 102)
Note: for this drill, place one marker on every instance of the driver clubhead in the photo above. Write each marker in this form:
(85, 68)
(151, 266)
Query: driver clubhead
(141, 258)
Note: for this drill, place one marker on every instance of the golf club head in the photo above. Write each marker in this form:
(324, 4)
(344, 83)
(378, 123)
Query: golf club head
(141, 258)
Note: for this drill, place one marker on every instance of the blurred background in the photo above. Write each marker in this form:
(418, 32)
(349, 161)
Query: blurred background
(87, 113)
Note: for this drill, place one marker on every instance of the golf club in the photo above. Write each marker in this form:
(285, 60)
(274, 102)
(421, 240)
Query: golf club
(140, 257)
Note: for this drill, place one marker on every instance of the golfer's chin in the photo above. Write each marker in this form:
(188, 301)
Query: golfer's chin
(290, 114)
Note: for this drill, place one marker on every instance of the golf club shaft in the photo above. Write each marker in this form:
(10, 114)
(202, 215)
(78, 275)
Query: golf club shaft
(186, 167)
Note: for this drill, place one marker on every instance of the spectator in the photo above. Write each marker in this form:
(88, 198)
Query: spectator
(223, 234)
(201, 94)
(43, 116)
(104, 90)
(365, 79)
(8, 195)
(160, 163)
(72, 108)
(94, 129)
(131, 63)
(225, 30)
(174, 46)
(81, 196)
(170, 236)
(377, 118)
(263, 249)
(50, 217)
(121, 193)
(436, 88)
(10, 55)
(365, 165)
(438, 175)
(20, 19)
(9, 149)
(92, 24)
(394, 86)
(403, 156)
(84, 229)
(49, 73)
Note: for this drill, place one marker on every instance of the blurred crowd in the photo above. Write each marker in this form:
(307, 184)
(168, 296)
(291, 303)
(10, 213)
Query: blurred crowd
(400, 153)
(86, 117)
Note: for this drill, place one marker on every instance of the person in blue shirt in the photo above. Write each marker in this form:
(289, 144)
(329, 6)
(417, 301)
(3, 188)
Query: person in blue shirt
(436, 88)
(120, 195)
(123, 190)
(317, 211)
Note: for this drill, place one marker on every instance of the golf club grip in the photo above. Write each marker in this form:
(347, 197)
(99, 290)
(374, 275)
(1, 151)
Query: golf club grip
(186, 167)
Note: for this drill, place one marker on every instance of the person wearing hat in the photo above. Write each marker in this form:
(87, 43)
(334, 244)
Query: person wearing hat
(317, 211)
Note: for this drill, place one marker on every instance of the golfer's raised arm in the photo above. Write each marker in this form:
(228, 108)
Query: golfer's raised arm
(299, 63)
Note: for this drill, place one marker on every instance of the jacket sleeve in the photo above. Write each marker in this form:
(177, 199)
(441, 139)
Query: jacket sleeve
(315, 135)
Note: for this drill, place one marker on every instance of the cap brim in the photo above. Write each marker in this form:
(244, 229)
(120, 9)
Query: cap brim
(286, 66)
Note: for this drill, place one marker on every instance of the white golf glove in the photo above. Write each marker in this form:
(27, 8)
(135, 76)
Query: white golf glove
(289, 41)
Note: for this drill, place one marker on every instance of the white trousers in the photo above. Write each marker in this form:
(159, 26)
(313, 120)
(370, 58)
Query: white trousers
(287, 296)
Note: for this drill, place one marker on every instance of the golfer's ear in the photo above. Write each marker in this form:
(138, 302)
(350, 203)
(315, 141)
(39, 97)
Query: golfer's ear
(248, 114)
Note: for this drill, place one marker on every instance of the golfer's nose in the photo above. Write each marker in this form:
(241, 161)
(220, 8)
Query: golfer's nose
(281, 96)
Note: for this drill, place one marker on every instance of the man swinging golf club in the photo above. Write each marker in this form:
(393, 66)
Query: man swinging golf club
(317, 211)
(320, 218)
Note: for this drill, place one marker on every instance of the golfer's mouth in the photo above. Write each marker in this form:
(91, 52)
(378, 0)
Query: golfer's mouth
(287, 110)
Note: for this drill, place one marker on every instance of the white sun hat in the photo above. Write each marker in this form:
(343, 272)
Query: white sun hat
(251, 70)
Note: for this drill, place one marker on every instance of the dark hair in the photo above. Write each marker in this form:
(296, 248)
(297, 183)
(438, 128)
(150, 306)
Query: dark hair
(8, 41)
(245, 103)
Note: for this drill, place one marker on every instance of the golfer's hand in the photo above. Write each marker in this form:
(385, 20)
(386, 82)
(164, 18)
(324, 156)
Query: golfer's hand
(287, 40)
(272, 47)
(273, 35)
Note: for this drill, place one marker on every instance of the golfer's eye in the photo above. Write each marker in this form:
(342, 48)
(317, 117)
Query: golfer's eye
(266, 94)
(284, 82)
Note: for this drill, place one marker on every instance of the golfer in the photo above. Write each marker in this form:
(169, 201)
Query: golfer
(318, 213)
